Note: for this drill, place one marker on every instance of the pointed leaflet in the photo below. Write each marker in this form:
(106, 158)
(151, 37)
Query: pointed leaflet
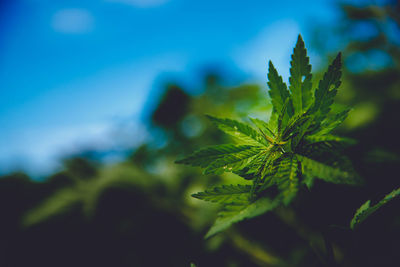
(225, 194)
(330, 140)
(251, 170)
(300, 78)
(287, 178)
(231, 214)
(308, 181)
(282, 115)
(269, 170)
(206, 156)
(325, 94)
(366, 210)
(297, 124)
(331, 122)
(327, 147)
(332, 158)
(266, 160)
(263, 127)
(278, 90)
(326, 172)
(232, 162)
(239, 130)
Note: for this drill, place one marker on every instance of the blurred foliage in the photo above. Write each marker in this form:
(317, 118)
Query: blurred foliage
(139, 212)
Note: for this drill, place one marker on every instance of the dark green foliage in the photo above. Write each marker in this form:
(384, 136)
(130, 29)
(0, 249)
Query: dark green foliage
(235, 212)
(225, 193)
(366, 209)
(293, 148)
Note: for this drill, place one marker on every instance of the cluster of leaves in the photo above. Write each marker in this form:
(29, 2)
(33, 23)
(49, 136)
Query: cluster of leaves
(279, 156)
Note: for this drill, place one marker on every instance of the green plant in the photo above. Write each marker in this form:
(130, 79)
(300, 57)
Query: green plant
(284, 154)
(366, 209)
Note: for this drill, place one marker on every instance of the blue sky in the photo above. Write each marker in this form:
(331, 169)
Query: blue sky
(71, 70)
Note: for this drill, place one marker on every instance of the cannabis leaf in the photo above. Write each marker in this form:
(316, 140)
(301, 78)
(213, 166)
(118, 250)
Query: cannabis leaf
(239, 130)
(324, 94)
(290, 150)
(287, 178)
(366, 209)
(278, 92)
(327, 173)
(233, 213)
(225, 194)
(300, 78)
(220, 158)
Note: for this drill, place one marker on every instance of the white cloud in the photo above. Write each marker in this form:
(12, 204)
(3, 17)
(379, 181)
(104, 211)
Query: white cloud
(105, 115)
(72, 20)
(39, 149)
(274, 43)
(141, 3)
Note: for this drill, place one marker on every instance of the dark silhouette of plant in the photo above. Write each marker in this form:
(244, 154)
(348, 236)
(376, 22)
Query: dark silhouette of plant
(284, 154)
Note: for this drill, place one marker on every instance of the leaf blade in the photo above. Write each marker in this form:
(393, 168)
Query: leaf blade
(324, 95)
(366, 209)
(326, 172)
(205, 156)
(239, 130)
(300, 78)
(277, 90)
(235, 213)
(225, 194)
(231, 163)
(287, 178)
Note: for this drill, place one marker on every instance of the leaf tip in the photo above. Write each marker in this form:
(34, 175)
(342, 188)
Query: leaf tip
(299, 38)
(195, 195)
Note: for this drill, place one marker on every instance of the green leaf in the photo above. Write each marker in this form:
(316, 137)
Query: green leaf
(327, 89)
(225, 194)
(232, 162)
(263, 126)
(281, 122)
(300, 78)
(271, 168)
(287, 177)
(206, 156)
(234, 213)
(331, 141)
(296, 125)
(332, 122)
(278, 91)
(239, 130)
(366, 209)
(249, 171)
(327, 173)
(264, 168)
(308, 181)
